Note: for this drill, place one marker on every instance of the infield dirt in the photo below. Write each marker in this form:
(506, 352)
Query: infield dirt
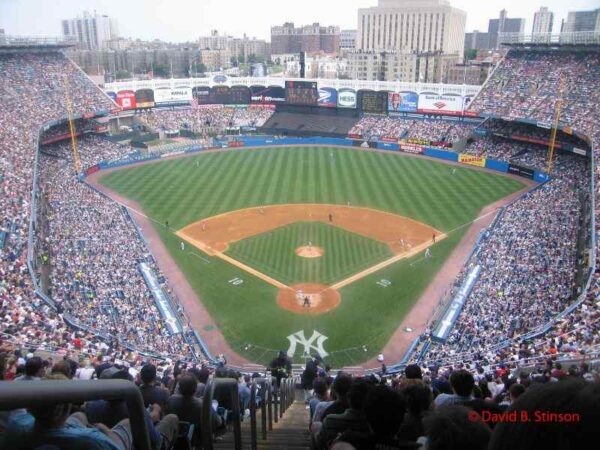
(405, 237)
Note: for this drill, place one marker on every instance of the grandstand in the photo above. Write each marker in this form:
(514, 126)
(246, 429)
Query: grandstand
(84, 296)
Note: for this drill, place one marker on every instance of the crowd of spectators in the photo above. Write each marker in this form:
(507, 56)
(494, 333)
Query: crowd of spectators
(376, 127)
(94, 254)
(207, 119)
(527, 267)
(32, 88)
(455, 407)
(528, 260)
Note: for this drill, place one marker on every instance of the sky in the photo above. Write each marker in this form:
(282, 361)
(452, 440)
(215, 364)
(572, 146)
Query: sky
(186, 20)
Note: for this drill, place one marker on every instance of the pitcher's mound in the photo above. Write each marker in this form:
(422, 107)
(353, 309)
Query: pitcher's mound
(308, 298)
(309, 252)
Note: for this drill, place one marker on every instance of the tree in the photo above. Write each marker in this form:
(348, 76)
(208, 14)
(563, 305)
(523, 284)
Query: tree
(123, 75)
(252, 58)
(161, 71)
(470, 53)
(234, 61)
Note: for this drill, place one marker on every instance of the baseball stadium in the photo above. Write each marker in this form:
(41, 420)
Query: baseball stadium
(363, 227)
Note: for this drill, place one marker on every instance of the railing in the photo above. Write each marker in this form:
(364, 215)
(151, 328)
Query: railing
(266, 397)
(21, 41)
(567, 38)
(34, 394)
(231, 385)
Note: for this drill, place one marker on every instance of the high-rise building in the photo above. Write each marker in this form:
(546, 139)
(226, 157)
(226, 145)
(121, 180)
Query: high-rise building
(432, 26)
(542, 21)
(582, 21)
(503, 25)
(244, 49)
(91, 30)
(348, 39)
(313, 38)
(477, 40)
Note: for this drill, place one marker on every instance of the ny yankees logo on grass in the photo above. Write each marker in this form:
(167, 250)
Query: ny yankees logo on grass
(298, 338)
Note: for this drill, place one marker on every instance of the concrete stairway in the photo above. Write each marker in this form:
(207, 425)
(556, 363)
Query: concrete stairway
(290, 433)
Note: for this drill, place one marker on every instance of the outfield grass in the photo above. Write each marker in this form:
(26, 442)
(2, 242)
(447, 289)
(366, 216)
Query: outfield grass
(186, 190)
(273, 253)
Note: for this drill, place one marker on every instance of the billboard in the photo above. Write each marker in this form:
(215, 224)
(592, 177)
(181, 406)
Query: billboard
(144, 98)
(328, 97)
(301, 93)
(525, 172)
(202, 95)
(411, 148)
(346, 98)
(471, 160)
(373, 102)
(177, 95)
(440, 104)
(126, 99)
(402, 101)
(271, 94)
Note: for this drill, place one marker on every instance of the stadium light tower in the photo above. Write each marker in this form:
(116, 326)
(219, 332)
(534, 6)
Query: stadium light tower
(71, 126)
(557, 108)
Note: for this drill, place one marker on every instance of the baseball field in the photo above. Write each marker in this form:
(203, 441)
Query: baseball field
(334, 245)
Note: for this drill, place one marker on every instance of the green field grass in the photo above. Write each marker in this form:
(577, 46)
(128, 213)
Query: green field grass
(273, 253)
(186, 190)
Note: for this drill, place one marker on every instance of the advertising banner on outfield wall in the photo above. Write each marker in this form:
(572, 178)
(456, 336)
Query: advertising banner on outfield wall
(402, 101)
(411, 148)
(521, 171)
(126, 99)
(271, 94)
(346, 98)
(472, 160)
(440, 104)
(328, 97)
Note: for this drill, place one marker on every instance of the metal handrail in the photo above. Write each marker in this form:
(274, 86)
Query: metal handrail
(268, 400)
(209, 392)
(274, 399)
(263, 384)
(34, 394)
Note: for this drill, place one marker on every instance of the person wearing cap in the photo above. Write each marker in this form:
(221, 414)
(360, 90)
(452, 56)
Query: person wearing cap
(151, 392)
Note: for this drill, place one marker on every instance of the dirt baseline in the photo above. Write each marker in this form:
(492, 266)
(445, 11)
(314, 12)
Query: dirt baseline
(213, 235)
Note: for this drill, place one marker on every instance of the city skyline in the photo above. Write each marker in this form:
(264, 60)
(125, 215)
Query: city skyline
(185, 21)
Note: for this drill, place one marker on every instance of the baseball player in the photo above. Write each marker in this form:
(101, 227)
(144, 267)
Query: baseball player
(331, 217)
(306, 303)
(182, 246)
(434, 238)
(428, 253)
(203, 226)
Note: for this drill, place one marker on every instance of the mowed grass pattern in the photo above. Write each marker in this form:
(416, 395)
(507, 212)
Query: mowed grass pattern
(188, 189)
(274, 253)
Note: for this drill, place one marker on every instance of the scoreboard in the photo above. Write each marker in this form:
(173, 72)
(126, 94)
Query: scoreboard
(373, 102)
(301, 93)
(237, 95)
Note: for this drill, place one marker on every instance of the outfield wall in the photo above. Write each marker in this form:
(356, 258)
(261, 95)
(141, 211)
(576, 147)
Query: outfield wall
(266, 141)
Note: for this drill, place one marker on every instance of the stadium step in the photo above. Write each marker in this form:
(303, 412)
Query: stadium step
(290, 433)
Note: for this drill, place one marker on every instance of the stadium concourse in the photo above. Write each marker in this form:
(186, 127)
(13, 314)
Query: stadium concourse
(104, 323)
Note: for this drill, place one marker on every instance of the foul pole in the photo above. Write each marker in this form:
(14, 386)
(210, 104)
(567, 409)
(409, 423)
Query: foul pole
(557, 108)
(71, 126)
